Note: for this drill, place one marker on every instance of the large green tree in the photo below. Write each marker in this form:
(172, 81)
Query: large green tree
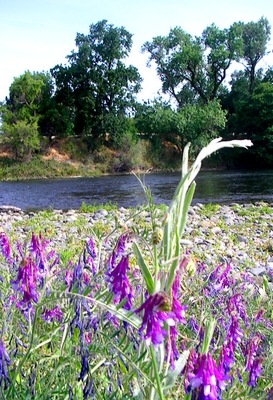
(256, 37)
(96, 86)
(194, 67)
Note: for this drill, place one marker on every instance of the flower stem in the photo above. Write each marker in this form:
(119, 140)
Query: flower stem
(157, 377)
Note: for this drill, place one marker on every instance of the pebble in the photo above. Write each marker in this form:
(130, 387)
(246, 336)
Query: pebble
(226, 235)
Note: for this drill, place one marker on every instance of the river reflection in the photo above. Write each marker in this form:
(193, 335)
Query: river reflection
(125, 190)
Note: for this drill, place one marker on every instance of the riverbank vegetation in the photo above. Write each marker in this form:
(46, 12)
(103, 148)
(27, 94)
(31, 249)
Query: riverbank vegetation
(128, 312)
(212, 85)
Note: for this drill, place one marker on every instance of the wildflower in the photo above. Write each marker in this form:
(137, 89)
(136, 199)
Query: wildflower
(221, 279)
(120, 284)
(53, 314)
(253, 363)
(178, 312)
(177, 308)
(89, 255)
(119, 250)
(236, 304)
(206, 382)
(44, 260)
(157, 311)
(26, 283)
(255, 372)
(4, 363)
(5, 246)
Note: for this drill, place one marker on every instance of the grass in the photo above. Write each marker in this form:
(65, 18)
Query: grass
(45, 169)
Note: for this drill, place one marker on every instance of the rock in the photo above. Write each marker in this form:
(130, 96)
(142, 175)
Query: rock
(216, 230)
(10, 208)
(242, 239)
(186, 242)
(258, 271)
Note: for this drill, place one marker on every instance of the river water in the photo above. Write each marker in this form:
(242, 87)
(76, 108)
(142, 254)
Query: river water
(126, 191)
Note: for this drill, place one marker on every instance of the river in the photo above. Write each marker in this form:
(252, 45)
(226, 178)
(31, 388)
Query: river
(125, 190)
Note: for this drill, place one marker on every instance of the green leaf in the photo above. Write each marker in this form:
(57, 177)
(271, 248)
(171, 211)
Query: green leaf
(172, 374)
(144, 269)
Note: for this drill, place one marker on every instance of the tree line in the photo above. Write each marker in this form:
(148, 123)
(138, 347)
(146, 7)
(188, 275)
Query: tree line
(94, 95)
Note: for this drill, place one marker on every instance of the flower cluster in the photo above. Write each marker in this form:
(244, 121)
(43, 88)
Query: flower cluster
(156, 311)
(117, 275)
(206, 380)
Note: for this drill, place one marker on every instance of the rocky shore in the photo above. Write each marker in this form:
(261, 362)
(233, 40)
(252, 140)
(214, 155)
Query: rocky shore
(242, 234)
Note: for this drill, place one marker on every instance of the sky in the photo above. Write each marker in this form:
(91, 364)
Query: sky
(36, 35)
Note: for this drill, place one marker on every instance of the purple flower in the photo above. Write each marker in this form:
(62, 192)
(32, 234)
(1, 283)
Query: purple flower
(206, 381)
(44, 260)
(177, 308)
(53, 314)
(178, 314)
(255, 372)
(26, 283)
(253, 363)
(236, 305)
(4, 362)
(120, 284)
(221, 279)
(5, 246)
(89, 255)
(119, 250)
(156, 312)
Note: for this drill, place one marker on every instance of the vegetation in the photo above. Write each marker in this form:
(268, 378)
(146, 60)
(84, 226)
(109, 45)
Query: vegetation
(91, 101)
(131, 314)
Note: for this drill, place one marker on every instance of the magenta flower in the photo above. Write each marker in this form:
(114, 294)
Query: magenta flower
(54, 314)
(206, 381)
(156, 312)
(5, 246)
(119, 251)
(119, 283)
(26, 283)
(178, 312)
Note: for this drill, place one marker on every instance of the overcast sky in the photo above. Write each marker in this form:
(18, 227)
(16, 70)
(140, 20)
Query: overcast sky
(36, 35)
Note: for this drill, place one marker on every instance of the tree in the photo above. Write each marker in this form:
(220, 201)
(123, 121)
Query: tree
(22, 137)
(256, 36)
(27, 93)
(96, 85)
(194, 123)
(21, 112)
(194, 65)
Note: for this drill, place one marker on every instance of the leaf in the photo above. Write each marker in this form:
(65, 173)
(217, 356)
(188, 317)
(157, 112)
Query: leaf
(144, 269)
(172, 374)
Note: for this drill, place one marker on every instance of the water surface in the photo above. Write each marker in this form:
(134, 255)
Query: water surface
(125, 190)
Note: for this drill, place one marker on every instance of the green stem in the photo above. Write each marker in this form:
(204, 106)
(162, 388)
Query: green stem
(156, 266)
(157, 377)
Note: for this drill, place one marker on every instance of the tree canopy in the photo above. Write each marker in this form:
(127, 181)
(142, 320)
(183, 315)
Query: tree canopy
(93, 97)
(97, 85)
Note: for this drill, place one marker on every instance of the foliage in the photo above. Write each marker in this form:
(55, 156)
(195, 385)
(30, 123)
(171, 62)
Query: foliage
(256, 36)
(92, 98)
(22, 137)
(134, 316)
(195, 123)
(194, 65)
(97, 86)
